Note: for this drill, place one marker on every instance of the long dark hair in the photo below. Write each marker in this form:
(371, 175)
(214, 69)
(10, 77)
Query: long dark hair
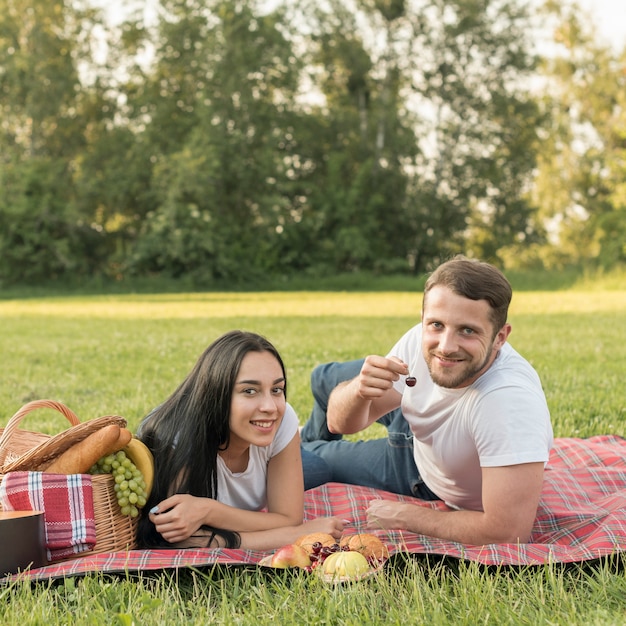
(187, 431)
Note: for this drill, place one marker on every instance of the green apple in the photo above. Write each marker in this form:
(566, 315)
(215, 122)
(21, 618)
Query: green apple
(345, 564)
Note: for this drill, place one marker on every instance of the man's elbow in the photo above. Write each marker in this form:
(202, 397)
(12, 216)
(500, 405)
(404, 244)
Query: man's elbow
(522, 537)
(337, 425)
(332, 428)
(517, 533)
(342, 429)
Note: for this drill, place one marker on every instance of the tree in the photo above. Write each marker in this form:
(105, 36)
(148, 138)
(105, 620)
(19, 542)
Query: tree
(482, 139)
(377, 135)
(43, 122)
(220, 129)
(431, 134)
(580, 180)
(356, 144)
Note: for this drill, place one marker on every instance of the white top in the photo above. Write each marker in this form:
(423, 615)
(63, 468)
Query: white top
(500, 419)
(248, 489)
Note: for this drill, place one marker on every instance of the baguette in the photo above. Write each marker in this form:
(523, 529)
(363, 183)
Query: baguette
(124, 439)
(81, 456)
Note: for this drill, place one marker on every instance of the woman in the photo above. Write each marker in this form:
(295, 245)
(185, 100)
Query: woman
(228, 467)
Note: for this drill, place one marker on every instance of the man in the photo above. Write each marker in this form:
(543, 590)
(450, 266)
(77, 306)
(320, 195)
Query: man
(480, 431)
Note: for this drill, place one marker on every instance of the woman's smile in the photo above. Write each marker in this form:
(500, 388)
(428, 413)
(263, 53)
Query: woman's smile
(264, 424)
(258, 403)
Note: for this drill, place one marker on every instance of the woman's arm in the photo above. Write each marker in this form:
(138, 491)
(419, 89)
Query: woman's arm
(266, 539)
(285, 485)
(277, 537)
(181, 515)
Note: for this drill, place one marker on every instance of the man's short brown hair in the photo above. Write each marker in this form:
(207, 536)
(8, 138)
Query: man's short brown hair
(475, 280)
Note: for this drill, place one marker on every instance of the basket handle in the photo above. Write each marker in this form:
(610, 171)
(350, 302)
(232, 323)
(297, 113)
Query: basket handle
(14, 422)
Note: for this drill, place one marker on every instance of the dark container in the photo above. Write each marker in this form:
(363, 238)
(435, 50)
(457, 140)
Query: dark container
(22, 541)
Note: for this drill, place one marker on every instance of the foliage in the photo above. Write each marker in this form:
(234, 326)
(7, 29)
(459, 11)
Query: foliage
(219, 207)
(232, 141)
(42, 130)
(582, 167)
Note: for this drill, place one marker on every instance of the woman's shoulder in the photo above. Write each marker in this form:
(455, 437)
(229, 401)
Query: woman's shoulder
(290, 421)
(286, 431)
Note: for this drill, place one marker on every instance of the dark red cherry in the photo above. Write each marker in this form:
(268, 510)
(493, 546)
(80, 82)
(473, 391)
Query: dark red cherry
(410, 381)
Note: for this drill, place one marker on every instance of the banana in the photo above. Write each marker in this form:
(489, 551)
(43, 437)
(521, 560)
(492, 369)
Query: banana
(140, 455)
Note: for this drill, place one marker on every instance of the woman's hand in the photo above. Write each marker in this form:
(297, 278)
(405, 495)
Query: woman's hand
(329, 525)
(179, 516)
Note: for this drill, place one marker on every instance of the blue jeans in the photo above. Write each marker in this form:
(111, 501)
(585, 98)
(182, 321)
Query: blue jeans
(386, 463)
(316, 470)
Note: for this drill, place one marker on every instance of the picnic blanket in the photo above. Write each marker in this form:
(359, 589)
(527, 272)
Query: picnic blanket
(67, 505)
(581, 517)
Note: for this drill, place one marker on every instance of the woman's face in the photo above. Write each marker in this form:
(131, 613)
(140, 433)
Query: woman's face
(258, 403)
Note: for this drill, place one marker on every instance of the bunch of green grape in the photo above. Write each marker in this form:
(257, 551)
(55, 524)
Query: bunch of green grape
(130, 487)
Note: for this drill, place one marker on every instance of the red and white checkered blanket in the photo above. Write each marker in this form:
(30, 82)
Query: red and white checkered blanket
(67, 505)
(581, 517)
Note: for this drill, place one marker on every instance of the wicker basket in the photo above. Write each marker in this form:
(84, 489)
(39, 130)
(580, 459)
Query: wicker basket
(23, 450)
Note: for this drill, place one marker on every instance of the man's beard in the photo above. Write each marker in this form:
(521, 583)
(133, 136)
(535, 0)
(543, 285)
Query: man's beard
(460, 378)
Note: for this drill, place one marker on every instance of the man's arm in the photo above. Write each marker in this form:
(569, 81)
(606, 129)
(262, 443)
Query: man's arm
(510, 498)
(357, 403)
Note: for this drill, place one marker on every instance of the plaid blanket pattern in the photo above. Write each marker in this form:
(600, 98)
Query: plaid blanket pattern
(67, 505)
(581, 517)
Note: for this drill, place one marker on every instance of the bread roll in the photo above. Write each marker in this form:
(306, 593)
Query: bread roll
(307, 541)
(370, 546)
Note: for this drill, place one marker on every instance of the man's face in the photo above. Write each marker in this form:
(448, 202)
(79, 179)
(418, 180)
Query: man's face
(458, 340)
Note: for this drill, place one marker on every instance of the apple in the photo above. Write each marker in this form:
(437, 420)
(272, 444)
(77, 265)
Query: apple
(290, 556)
(345, 564)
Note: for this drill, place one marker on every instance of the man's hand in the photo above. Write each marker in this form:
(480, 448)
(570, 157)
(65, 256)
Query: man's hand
(390, 514)
(510, 499)
(378, 375)
(357, 403)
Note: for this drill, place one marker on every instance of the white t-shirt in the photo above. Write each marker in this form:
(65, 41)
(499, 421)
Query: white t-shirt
(248, 489)
(500, 419)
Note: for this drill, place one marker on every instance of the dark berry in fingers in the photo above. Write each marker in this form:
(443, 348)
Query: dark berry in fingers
(410, 381)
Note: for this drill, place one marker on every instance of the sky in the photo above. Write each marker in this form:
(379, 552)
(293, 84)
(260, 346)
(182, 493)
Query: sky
(609, 16)
(610, 19)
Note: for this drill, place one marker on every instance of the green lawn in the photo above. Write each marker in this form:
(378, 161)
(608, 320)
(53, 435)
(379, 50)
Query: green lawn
(123, 354)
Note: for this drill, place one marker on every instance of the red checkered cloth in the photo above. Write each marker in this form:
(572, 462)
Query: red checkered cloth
(67, 505)
(581, 517)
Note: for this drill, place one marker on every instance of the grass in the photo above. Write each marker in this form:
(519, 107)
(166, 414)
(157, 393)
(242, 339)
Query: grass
(320, 280)
(122, 354)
